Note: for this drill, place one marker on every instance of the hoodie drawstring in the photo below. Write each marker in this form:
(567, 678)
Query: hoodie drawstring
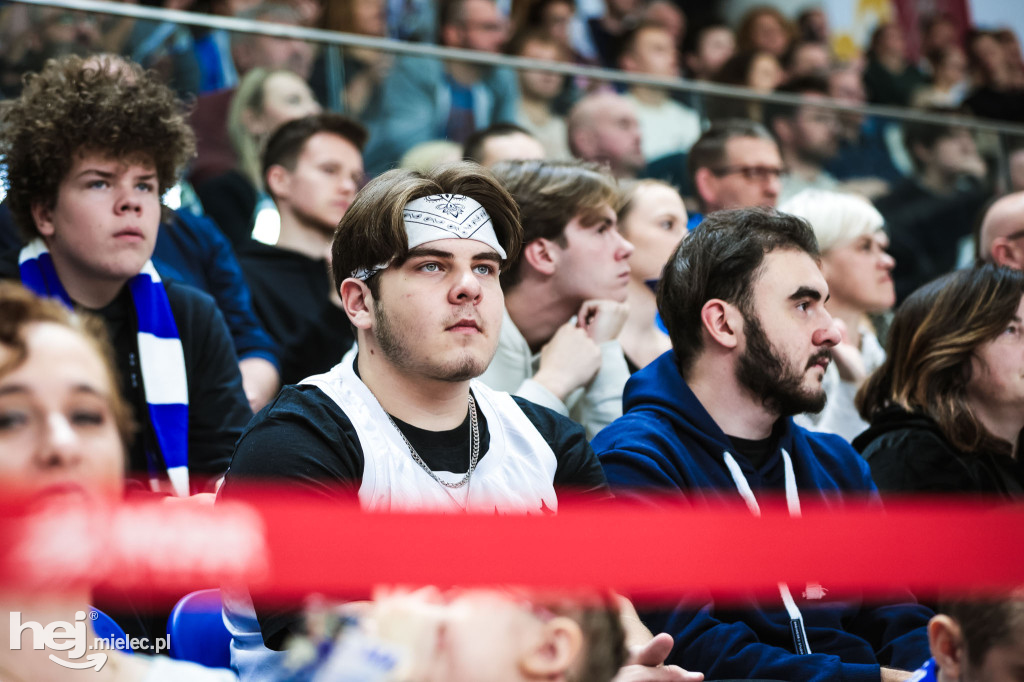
(796, 619)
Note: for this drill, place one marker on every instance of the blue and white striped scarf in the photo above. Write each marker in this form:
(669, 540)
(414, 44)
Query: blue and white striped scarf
(161, 358)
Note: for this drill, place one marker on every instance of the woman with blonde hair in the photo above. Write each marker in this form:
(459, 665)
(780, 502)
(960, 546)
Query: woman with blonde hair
(264, 100)
(652, 217)
(947, 405)
(858, 270)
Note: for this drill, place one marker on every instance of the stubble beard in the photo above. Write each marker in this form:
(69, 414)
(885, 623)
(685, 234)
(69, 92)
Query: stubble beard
(396, 347)
(763, 372)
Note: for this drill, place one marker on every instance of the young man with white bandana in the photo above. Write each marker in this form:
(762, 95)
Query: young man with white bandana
(90, 148)
(402, 419)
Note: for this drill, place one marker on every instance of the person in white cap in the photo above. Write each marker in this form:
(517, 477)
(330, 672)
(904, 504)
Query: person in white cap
(401, 419)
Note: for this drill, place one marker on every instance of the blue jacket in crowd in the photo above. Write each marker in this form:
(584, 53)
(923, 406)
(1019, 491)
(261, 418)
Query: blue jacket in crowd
(667, 441)
(191, 250)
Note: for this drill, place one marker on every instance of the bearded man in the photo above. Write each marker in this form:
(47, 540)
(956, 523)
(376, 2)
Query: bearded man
(743, 299)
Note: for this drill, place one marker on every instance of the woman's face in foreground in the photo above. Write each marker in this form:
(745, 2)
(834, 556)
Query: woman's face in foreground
(58, 433)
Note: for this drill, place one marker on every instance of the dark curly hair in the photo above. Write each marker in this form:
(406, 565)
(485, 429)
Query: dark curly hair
(74, 105)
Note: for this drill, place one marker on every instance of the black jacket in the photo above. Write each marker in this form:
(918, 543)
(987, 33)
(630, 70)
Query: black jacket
(907, 453)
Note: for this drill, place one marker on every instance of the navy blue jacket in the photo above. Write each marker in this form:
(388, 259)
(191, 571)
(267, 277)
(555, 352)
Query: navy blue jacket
(191, 250)
(667, 441)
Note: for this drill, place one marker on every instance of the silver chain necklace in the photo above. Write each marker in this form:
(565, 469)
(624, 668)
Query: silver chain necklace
(474, 452)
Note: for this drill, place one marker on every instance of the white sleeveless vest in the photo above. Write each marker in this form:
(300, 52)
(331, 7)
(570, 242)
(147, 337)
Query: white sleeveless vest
(516, 476)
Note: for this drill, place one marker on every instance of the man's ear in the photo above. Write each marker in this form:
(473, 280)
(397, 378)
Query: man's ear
(552, 655)
(542, 255)
(1004, 253)
(278, 180)
(945, 638)
(722, 322)
(583, 142)
(357, 301)
(707, 188)
(42, 216)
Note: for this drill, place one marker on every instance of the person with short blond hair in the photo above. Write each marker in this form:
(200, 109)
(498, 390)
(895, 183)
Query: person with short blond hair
(858, 269)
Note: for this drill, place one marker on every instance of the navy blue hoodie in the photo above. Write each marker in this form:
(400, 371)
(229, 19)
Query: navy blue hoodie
(667, 441)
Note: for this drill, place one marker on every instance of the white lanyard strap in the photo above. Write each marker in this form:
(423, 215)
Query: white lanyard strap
(796, 619)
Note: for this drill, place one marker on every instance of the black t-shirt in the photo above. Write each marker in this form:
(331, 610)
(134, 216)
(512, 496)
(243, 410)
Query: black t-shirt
(756, 452)
(303, 439)
(291, 296)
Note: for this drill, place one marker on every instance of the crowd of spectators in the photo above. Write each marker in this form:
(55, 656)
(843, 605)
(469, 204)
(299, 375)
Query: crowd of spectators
(609, 289)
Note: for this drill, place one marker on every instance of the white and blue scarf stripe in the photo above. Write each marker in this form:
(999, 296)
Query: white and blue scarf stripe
(161, 358)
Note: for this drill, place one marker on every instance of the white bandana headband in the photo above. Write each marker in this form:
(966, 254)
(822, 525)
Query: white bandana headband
(443, 216)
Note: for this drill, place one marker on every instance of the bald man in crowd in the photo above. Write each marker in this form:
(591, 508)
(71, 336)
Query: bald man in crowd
(1001, 238)
(603, 128)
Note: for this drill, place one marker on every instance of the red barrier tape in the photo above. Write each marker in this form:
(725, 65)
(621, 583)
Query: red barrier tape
(291, 547)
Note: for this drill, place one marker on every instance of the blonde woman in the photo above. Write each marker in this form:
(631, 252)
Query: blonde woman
(858, 269)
